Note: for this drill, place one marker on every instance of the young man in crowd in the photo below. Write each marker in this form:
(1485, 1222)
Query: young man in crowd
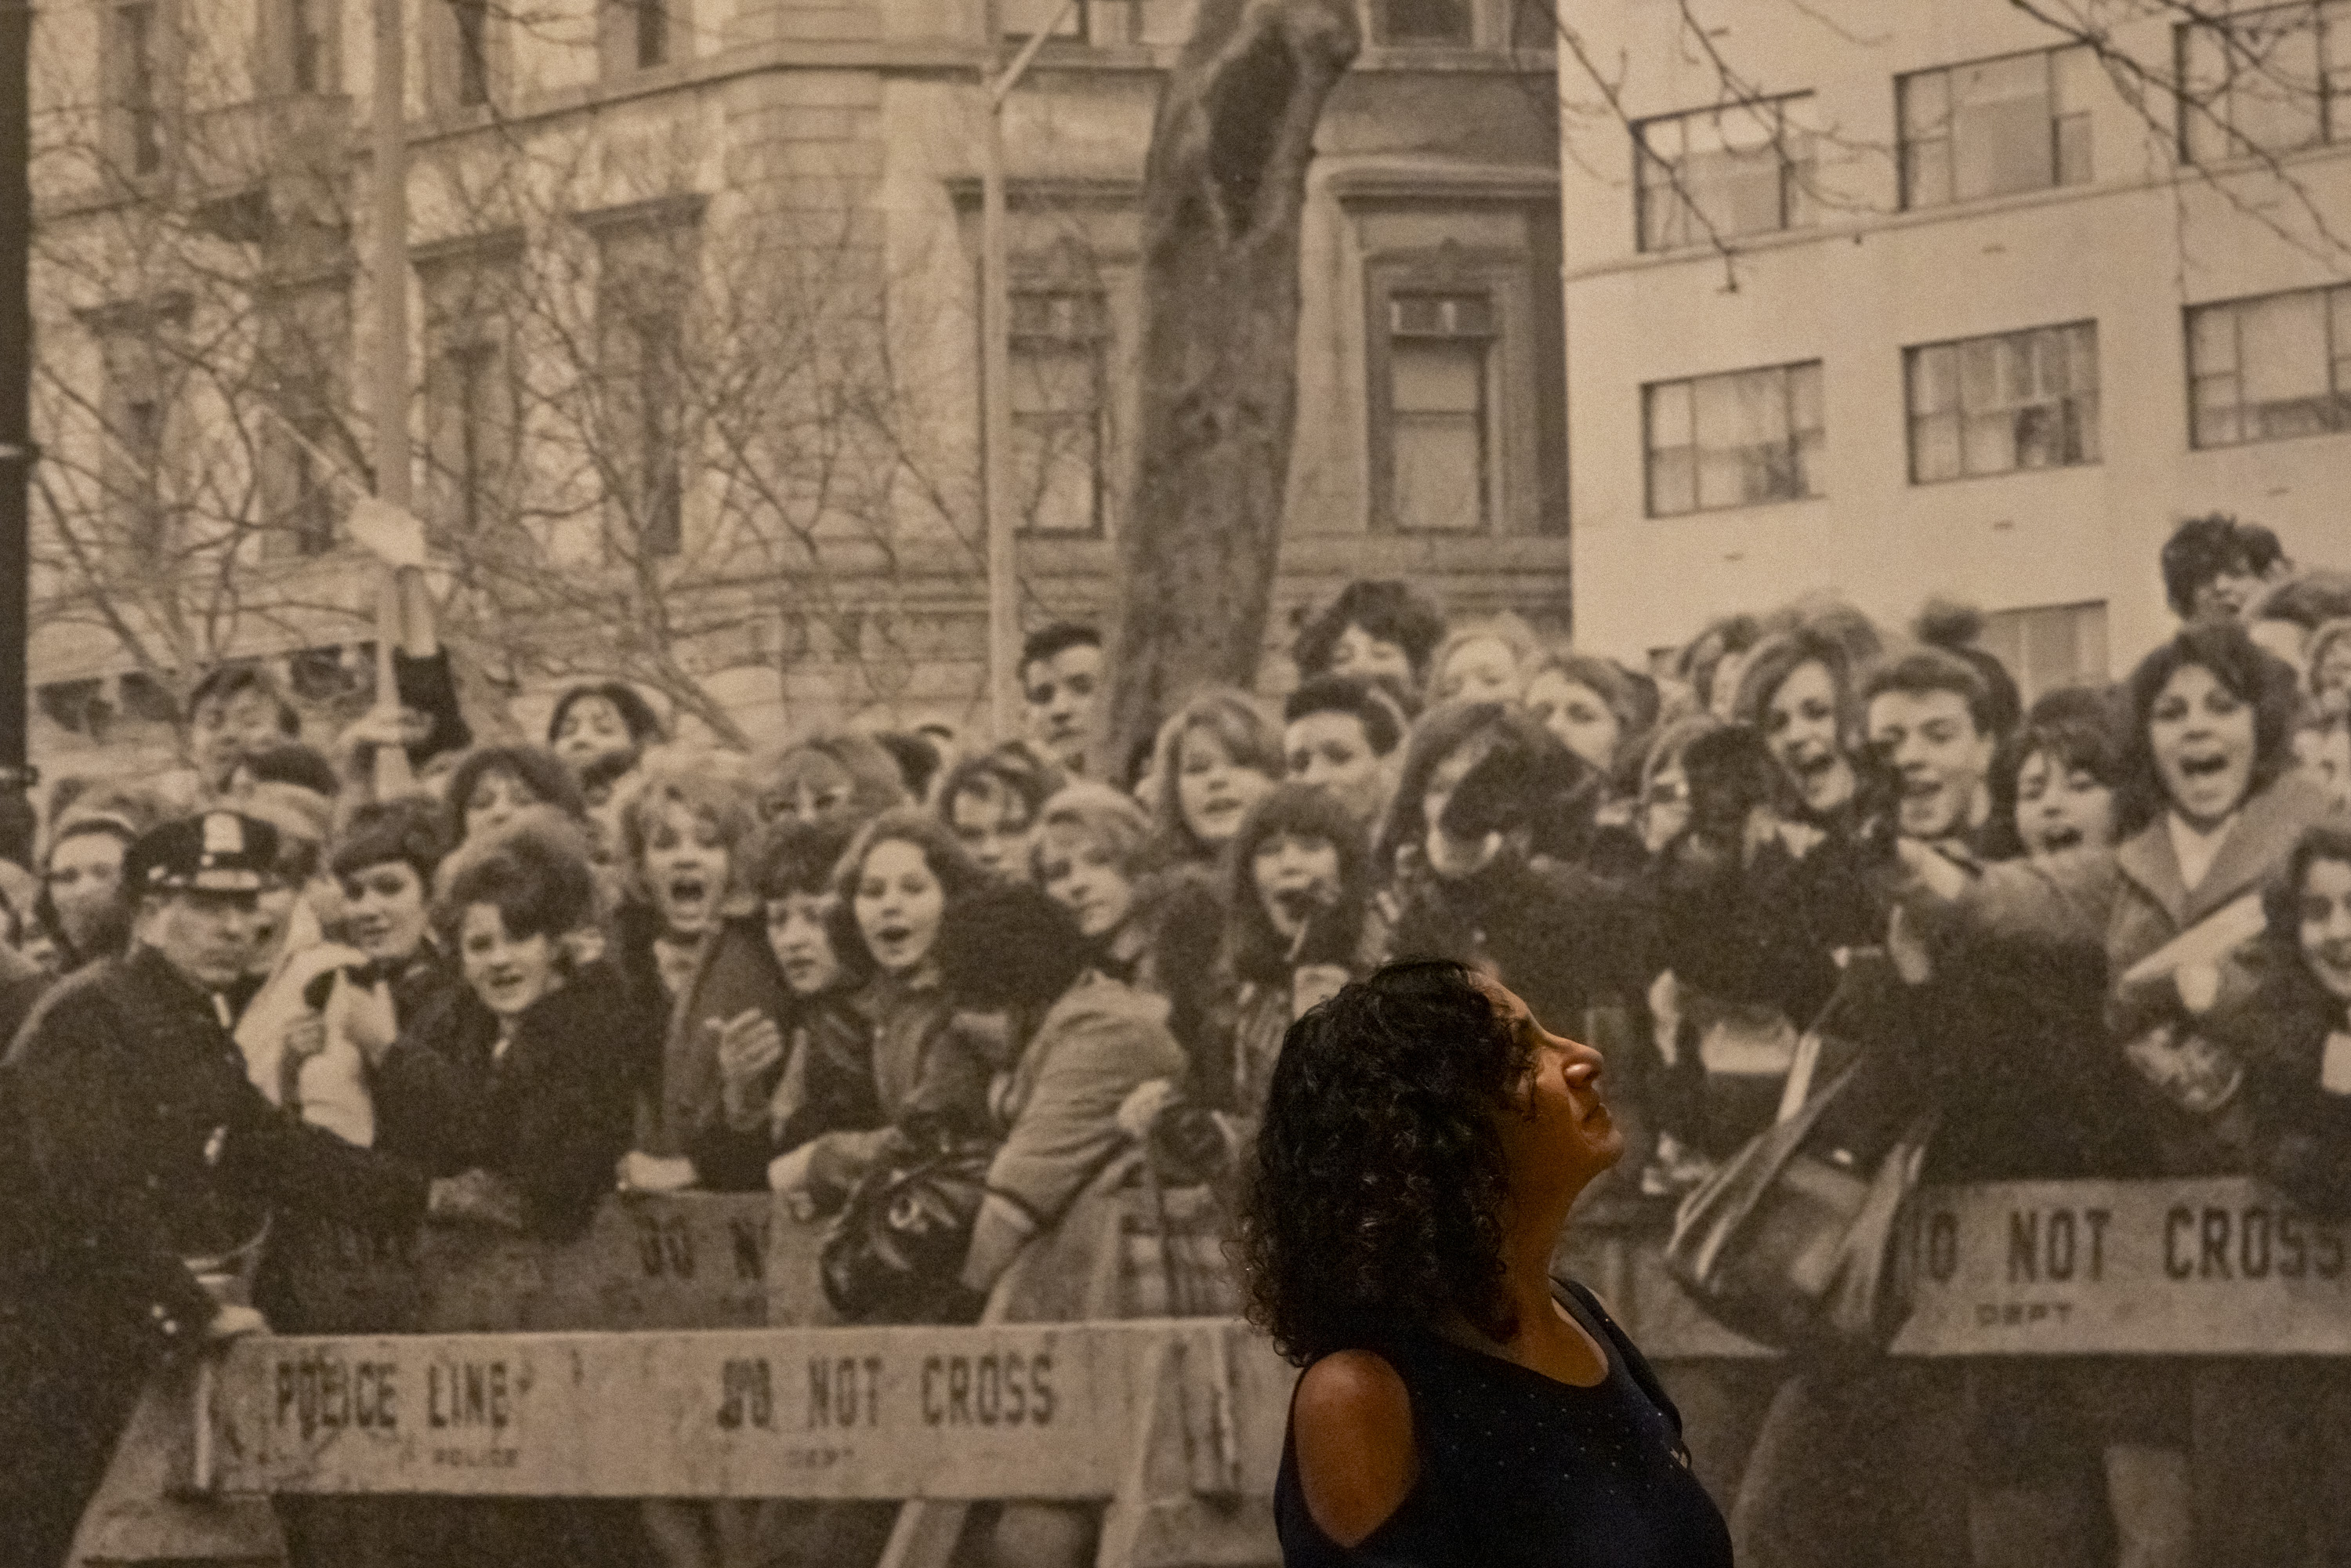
(2214, 565)
(1060, 681)
(1928, 714)
(1340, 733)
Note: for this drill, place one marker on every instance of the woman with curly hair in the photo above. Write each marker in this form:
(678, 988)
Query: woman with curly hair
(1423, 1142)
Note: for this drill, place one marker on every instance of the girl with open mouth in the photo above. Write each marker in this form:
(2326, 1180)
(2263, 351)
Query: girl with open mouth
(1216, 754)
(898, 878)
(694, 944)
(2210, 811)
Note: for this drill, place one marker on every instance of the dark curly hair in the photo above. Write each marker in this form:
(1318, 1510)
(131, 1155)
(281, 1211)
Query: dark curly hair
(1376, 1192)
(2282, 898)
(2266, 684)
(1388, 611)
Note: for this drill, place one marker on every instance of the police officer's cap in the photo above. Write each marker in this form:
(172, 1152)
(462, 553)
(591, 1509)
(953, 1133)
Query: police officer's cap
(215, 852)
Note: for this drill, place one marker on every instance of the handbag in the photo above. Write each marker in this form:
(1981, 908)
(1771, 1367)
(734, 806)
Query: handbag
(895, 1253)
(1791, 1242)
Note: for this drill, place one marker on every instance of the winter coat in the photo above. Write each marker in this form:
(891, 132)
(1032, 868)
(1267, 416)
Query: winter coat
(929, 1085)
(1058, 1110)
(551, 1114)
(734, 972)
(823, 1085)
(2275, 1017)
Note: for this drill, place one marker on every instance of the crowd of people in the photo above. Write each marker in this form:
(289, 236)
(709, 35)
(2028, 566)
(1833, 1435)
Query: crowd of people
(2117, 921)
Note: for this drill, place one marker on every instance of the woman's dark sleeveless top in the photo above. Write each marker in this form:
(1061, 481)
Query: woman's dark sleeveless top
(1518, 1468)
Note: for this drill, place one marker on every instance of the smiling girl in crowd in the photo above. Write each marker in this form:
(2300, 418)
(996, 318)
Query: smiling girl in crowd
(897, 879)
(495, 784)
(1218, 753)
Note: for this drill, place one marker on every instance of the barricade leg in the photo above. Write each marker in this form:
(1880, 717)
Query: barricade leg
(145, 1510)
(1161, 1517)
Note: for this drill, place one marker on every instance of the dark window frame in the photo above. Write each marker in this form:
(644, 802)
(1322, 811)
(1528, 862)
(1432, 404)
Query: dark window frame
(2088, 433)
(1793, 441)
(1909, 82)
(1794, 173)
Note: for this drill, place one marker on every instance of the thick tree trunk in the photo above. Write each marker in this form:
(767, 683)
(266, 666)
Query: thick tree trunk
(1224, 191)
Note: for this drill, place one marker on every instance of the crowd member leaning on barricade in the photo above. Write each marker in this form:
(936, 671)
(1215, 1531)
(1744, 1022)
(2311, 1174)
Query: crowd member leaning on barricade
(2213, 811)
(1216, 754)
(898, 879)
(692, 942)
(535, 1055)
(991, 799)
(1083, 1043)
(813, 1074)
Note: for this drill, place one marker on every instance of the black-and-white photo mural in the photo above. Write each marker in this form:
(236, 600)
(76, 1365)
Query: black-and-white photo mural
(718, 717)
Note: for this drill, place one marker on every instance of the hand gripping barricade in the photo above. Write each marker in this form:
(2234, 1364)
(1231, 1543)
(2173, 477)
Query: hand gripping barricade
(540, 1370)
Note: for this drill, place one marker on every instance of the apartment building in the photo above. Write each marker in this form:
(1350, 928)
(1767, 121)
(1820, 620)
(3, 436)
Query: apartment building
(692, 306)
(1897, 300)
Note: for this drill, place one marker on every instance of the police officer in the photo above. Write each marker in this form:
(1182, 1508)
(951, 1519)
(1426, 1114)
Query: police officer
(131, 1140)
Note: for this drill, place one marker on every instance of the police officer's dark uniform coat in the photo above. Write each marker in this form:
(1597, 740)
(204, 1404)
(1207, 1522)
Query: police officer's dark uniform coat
(130, 1139)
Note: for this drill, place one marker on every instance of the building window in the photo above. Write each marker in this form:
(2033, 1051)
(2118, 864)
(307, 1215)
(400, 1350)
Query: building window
(2269, 368)
(1717, 173)
(1992, 128)
(2266, 82)
(1424, 24)
(472, 396)
(644, 273)
(2050, 645)
(1735, 440)
(139, 55)
(639, 34)
(1440, 413)
(1999, 403)
(1060, 342)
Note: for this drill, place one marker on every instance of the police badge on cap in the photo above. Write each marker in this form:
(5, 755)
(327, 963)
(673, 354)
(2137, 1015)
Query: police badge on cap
(219, 851)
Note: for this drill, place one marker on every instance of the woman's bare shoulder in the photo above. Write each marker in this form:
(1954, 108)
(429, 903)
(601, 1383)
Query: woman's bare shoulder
(1351, 1425)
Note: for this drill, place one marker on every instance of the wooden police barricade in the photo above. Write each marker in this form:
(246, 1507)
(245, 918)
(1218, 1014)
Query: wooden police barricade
(1149, 1416)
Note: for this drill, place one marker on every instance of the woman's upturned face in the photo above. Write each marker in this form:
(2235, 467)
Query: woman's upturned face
(899, 903)
(993, 824)
(1297, 877)
(507, 972)
(384, 909)
(2325, 930)
(1800, 726)
(799, 934)
(2060, 808)
(1358, 652)
(1576, 715)
(85, 873)
(593, 728)
(1561, 1129)
(2201, 734)
(1482, 670)
(686, 863)
(499, 798)
(1212, 791)
(1080, 873)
